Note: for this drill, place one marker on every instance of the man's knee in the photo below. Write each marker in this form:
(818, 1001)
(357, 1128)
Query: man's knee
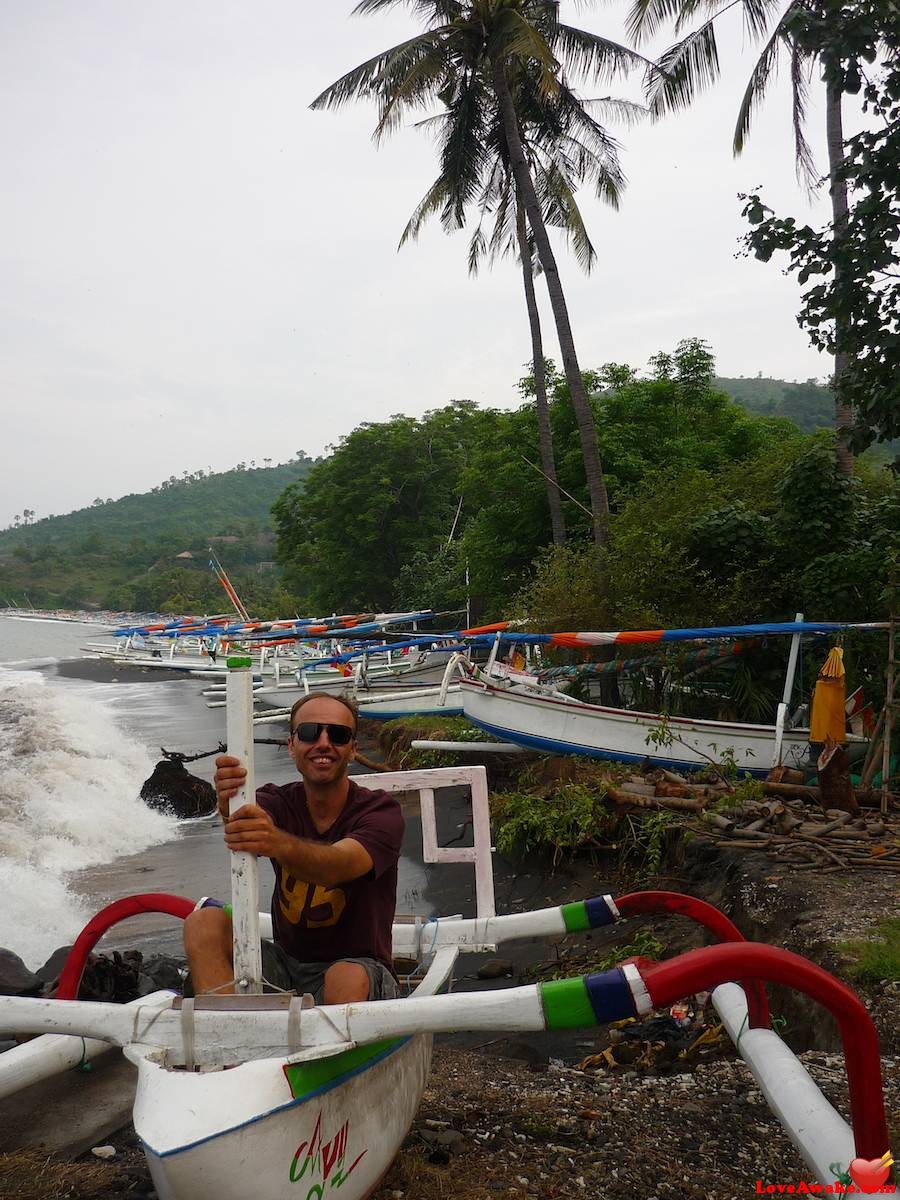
(345, 983)
(207, 928)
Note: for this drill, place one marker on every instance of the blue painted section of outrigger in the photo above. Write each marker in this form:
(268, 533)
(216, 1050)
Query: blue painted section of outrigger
(552, 746)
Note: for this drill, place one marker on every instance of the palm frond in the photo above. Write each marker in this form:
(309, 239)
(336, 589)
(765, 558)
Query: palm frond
(686, 68)
(804, 161)
(597, 57)
(432, 202)
(514, 37)
(477, 249)
(757, 15)
(576, 231)
(627, 112)
(410, 81)
(755, 90)
(429, 10)
(369, 77)
(647, 17)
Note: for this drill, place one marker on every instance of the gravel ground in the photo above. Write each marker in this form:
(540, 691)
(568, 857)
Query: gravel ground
(492, 1126)
(504, 1119)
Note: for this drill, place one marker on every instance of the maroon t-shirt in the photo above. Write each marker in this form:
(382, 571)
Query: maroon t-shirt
(315, 923)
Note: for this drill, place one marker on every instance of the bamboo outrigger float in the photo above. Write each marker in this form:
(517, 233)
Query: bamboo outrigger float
(253, 1094)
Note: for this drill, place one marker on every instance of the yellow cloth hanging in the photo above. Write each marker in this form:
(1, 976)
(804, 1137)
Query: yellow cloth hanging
(828, 717)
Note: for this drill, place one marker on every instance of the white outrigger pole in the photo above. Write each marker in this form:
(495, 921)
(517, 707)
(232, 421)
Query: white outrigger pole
(244, 866)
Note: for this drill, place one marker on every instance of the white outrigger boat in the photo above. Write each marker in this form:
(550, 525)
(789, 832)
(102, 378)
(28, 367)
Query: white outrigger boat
(253, 1094)
(530, 713)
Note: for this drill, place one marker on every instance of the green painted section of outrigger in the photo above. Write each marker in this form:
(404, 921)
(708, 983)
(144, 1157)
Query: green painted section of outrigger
(307, 1078)
(566, 1004)
(575, 917)
(238, 660)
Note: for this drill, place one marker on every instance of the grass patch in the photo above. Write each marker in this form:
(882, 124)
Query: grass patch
(587, 961)
(395, 738)
(876, 958)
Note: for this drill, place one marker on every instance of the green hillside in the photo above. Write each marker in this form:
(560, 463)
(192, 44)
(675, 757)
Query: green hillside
(809, 405)
(150, 551)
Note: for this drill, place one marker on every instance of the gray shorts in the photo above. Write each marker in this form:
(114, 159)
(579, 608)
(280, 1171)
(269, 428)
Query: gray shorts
(288, 975)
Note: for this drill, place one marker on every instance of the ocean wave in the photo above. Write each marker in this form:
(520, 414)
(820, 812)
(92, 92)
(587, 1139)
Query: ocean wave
(70, 780)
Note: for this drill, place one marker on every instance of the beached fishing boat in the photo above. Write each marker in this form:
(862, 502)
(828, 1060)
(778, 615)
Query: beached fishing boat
(254, 1094)
(534, 714)
(559, 724)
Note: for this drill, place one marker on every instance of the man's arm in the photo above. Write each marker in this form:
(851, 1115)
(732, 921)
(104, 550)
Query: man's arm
(251, 829)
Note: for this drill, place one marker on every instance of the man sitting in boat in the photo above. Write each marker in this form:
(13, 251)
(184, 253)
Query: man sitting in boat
(334, 847)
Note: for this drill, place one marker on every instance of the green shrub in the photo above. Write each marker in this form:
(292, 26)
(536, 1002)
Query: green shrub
(570, 817)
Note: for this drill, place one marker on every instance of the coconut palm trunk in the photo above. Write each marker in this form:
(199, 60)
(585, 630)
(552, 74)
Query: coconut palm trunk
(584, 417)
(545, 436)
(840, 212)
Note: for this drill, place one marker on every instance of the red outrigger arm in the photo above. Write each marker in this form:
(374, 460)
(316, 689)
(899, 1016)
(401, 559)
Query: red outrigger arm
(703, 970)
(710, 918)
(130, 906)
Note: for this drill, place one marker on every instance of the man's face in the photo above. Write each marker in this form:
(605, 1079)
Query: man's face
(321, 761)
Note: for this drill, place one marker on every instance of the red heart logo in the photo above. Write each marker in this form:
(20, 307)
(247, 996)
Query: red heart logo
(869, 1173)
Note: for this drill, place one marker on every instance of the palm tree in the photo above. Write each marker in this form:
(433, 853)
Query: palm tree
(565, 145)
(465, 59)
(693, 63)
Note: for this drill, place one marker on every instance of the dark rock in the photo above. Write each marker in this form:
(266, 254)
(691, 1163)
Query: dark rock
(15, 978)
(162, 972)
(173, 789)
(52, 968)
(495, 968)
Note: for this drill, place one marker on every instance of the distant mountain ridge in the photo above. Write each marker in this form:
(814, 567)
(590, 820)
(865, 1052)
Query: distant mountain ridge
(149, 552)
(199, 505)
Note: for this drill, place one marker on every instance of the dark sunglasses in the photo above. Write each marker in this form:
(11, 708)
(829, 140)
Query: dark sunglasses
(311, 731)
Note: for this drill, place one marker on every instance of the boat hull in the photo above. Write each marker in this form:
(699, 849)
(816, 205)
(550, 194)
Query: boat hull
(269, 1129)
(557, 726)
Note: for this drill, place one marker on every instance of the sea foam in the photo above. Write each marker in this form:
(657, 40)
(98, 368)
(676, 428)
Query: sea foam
(70, 780)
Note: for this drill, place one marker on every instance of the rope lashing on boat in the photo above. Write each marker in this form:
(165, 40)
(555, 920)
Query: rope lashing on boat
(83, 1065)
(294, 1040)
(420, 929)
(660, 658)
(187, 1031)
(777, 1024)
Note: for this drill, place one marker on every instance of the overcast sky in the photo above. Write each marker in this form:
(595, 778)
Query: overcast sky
(197, 270)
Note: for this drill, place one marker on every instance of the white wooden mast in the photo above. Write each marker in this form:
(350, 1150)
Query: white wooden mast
(244, 867)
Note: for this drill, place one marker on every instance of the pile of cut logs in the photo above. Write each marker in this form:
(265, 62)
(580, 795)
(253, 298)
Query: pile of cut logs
(789, 823)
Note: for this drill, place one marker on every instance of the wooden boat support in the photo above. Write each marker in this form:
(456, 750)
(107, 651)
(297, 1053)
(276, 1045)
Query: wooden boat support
(249, 1094)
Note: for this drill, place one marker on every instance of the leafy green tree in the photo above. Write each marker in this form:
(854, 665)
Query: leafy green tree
(851, 267)
(838, 35)
(387, 490)
(470, 57)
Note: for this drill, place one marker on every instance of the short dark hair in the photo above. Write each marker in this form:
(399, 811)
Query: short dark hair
(345, 699)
